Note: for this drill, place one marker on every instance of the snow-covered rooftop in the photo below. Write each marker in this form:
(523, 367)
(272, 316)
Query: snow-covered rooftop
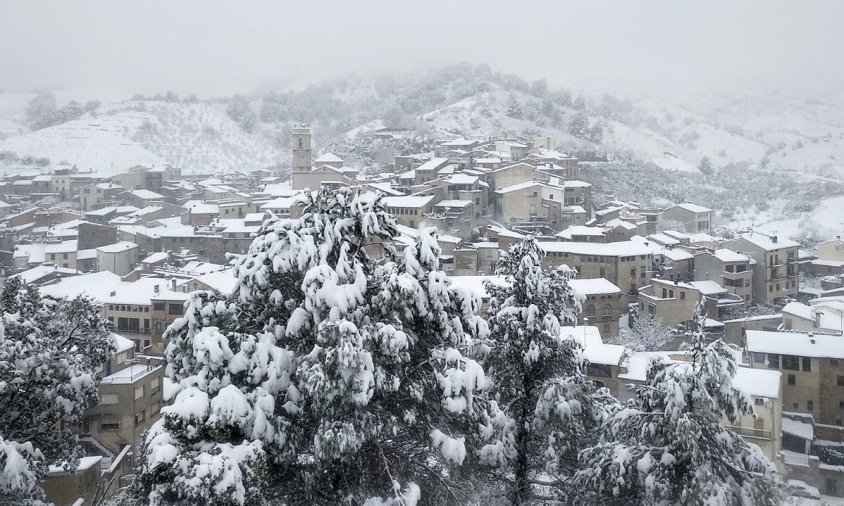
(728, 255)
(222, 281)
(767, 243)
(328, 158)
(62, 247)
(85, 463)
(453, 203)
(40, 271)
(413, 201)
(594, 286)
(594, 348)
(708, 287)
(117, 247)
(146, 194)
(617, 249)
(156, 257)
(688, 206)
(795, 343)
(797, 428)
(461, 178)
(131, 374)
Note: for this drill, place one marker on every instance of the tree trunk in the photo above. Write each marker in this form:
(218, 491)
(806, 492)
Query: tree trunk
(520, 470)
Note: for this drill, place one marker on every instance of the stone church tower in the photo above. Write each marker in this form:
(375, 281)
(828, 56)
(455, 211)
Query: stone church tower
(302, 160)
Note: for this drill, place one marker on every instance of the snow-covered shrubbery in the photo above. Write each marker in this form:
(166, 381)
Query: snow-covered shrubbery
(49, 352)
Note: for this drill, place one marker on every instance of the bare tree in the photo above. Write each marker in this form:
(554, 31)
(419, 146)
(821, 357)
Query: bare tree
(647, 333)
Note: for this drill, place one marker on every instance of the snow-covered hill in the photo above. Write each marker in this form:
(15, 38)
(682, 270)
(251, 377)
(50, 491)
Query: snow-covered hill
(199, 137)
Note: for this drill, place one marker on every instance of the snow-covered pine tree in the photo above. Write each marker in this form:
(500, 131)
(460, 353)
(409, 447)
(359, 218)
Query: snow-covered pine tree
(549, 410)
(49, 350)
(668, 445)
(328, 378)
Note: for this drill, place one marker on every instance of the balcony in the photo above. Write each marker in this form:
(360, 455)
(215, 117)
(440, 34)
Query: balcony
(752, 432)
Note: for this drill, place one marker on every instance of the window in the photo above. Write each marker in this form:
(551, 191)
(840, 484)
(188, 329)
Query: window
(178, 309)
(682, 295)
(791, 362)
(795, 406)
(840, 404)
(759, 401)
(810, 405)
(139, 391)
(64, 256)
(599, 370)
(839, 381)
(807, 364)
(110, 426)
(121, 357)
(109, 399)
(773, 361)
(833, 362)
(792, 380)
(139, 417)
(158, 306)
(607, 310)
(155, 386)
(590, 310)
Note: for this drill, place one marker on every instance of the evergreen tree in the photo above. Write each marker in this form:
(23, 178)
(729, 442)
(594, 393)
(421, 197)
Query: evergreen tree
(669, 447)
(327, 378)
(706, 167)
(549, 410)
(49, 351)
(240, 112)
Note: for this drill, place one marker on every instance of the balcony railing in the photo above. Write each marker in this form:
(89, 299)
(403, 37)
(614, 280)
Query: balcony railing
(752, 432)
(124, 379)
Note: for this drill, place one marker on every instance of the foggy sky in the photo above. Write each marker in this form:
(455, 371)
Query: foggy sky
(214, 47)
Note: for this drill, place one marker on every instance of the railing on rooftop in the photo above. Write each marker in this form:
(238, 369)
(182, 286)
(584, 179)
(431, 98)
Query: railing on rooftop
(127, 379)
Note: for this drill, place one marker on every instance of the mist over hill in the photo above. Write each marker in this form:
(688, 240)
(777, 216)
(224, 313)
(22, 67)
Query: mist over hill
(759, 157)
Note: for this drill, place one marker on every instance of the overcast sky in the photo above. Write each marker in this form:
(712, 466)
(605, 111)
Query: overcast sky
(213, 47)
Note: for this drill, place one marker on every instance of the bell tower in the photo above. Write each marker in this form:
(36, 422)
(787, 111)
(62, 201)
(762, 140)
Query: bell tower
(302, 147)
(301, 155)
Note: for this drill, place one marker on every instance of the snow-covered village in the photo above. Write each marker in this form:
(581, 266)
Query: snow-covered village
(336, 264)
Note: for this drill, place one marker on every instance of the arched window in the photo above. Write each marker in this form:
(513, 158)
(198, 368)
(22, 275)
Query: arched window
(607, 310)
(590, 310)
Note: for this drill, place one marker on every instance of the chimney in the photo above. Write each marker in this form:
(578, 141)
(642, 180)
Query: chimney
(173, 284)
(155, 289)
(774, 239)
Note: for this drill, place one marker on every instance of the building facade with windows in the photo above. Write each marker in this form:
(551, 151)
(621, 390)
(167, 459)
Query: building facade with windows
(812, 367)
